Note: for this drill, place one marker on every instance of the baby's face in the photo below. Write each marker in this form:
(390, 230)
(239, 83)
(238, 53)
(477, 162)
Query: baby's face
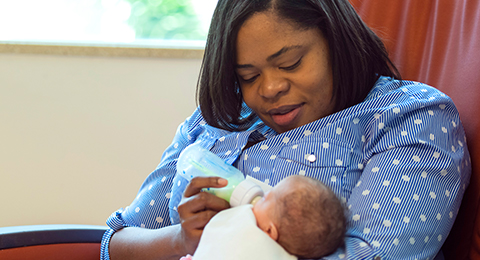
(264, 209)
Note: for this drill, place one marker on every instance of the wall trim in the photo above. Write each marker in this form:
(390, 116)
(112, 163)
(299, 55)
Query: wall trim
(104, 50)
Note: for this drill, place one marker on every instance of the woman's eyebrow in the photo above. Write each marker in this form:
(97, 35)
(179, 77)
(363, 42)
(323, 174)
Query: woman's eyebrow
(243, 66)
(282, 51)
(271, 57)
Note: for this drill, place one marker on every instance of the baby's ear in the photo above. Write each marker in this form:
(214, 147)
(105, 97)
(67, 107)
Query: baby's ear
(272, 231)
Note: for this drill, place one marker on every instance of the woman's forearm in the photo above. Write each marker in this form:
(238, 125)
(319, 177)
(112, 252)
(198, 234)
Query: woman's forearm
(141, 243)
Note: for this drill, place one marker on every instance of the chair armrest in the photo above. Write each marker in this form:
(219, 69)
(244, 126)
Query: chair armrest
(21, 236)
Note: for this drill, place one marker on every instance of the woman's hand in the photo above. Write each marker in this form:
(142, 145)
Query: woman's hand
(197, 208)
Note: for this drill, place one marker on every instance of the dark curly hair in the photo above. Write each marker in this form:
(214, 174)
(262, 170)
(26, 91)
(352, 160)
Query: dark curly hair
(311, 219)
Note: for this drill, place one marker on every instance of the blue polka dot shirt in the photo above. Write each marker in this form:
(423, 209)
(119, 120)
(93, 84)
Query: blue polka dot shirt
(398, 161)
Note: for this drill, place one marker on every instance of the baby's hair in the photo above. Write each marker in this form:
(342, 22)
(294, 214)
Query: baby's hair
(311, 220)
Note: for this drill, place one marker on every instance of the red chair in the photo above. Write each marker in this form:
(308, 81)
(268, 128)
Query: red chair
(438, 42)
(51, 242)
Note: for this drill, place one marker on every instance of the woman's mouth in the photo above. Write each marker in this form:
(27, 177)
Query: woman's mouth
(285, 115)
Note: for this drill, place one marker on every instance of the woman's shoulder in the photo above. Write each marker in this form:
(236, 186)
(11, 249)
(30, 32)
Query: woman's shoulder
(196, 122)
(387, 86)
(196, 125)
(406, 95)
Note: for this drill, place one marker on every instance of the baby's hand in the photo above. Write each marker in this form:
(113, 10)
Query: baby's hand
(187, 257)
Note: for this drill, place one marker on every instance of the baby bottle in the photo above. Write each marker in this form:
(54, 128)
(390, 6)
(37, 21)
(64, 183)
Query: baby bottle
(197, 161)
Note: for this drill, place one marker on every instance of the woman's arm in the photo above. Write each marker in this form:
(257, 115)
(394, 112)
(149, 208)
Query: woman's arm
(142, 243)
(410, 190)
(144, 228)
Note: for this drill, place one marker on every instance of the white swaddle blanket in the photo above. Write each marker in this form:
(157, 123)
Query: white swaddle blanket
(233, 234)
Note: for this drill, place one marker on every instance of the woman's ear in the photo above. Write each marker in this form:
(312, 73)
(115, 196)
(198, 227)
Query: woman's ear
(272, 231)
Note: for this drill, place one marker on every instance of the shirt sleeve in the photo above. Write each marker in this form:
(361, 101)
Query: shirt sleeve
(409, 193)
(150, 207)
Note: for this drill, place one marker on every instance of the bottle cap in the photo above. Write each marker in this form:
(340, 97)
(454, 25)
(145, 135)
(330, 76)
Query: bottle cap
(244, 193)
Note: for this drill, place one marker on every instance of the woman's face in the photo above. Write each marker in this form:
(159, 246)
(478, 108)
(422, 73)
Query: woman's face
(284, 72)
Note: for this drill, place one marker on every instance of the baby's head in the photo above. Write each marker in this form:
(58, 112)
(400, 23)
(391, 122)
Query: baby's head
(303, 216)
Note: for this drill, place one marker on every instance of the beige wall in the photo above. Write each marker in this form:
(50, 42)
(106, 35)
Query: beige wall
(78, 135)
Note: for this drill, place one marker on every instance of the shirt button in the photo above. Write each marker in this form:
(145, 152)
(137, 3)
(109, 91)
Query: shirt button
(312, 158)
(377, 258)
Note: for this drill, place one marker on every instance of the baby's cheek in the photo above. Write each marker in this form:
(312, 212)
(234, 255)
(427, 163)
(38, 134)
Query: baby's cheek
(255, 214)
(258, 217)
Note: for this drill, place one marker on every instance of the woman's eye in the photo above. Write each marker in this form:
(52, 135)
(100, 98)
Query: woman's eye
(250, 80)
(294, 66)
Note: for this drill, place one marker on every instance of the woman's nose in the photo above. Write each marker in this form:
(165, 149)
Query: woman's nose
(273, 86)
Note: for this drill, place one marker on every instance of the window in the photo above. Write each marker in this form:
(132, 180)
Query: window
(139, 22)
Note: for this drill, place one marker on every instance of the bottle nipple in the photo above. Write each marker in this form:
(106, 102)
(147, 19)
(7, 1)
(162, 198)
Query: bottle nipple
(245, 193)
(255, 200)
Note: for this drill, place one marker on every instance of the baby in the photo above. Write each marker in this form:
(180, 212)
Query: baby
(303, 215)
(300, 213)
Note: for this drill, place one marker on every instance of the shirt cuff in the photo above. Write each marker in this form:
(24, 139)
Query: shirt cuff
(115, 222)
(104, 254)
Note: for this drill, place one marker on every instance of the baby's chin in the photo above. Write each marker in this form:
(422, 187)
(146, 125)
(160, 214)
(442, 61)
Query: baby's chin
(255, 215)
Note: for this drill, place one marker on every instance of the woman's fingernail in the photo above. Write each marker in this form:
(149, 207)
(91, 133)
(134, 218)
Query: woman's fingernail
(222, 181)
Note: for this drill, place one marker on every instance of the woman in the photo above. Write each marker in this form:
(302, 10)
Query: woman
(304, 87)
